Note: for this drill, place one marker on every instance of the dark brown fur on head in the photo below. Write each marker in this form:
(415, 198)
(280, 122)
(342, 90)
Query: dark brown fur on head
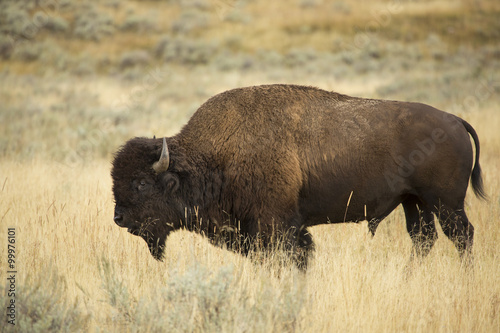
(146, 202)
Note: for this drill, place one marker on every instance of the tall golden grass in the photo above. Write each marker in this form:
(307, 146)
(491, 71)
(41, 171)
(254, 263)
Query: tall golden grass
(68, 246)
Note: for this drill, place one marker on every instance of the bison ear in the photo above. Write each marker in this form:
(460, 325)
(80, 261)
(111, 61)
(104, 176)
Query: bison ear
(170, 182)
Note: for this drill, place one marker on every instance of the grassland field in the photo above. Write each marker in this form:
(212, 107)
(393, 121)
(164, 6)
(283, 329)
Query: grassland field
(77, 79)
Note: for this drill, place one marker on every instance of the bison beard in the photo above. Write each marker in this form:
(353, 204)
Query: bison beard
(257, 166)
(155, 242)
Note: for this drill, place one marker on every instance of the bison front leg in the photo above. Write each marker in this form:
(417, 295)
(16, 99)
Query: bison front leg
(304, 248)
(298, 244)
(290, 244)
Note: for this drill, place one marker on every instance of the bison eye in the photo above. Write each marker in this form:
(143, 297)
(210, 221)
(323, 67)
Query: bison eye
(142, 185)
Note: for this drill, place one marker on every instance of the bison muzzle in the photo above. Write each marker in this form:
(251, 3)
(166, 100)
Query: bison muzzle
(265, 163)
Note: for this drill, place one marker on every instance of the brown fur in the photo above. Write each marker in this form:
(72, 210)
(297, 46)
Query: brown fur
(258, 162)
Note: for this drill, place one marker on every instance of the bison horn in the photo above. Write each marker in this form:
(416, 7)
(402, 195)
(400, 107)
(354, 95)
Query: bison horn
(162, 164)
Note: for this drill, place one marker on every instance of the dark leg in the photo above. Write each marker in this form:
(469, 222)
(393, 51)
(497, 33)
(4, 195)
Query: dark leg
(374, 222)
(428, 230)
(290, 239)
(298, 243)
(373, 225)
(458, 229)
(420, 226)
(305, 246)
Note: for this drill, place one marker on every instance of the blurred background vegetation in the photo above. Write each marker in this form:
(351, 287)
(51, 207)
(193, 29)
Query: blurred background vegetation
(81, 77)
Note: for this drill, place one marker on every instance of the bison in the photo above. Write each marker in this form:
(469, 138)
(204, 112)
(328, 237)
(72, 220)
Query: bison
(265, 163)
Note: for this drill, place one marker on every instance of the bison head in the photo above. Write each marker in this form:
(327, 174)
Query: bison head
(146, 192)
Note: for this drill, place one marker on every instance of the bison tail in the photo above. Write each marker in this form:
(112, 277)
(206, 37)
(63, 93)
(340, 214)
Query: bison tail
(476, 177)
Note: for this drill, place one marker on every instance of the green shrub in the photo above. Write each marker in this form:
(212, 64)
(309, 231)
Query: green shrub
(57, 24)
(134, 58)
(41, 305)
(135, 23)
(14, 18)
(270, 57)
(185, 51)
(201, 299)
(27, 51)
(190, 21)
(92, 24)
(116, 291)
(6, 46)
(227, 61)
(230, 14)
(300, 57)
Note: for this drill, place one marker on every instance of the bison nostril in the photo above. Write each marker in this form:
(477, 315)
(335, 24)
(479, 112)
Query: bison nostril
(118, 218)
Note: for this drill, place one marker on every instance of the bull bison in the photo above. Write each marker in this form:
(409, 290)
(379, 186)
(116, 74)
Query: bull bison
(268, 162)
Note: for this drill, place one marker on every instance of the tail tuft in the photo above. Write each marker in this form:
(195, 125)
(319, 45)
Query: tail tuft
(477, 182)
(476, 176)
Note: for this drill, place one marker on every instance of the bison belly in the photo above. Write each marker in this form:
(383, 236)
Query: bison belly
(351, 196)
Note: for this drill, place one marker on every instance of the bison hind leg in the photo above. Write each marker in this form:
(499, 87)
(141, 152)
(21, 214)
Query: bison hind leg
(420, 226)
(458, 229)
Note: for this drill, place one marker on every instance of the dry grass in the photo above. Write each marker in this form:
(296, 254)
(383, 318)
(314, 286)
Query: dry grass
(63, 221)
